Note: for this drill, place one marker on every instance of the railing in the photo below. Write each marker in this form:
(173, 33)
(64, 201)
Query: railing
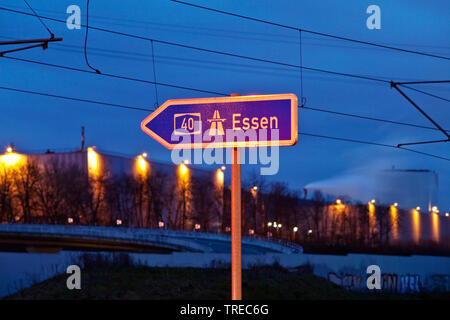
(147, 236)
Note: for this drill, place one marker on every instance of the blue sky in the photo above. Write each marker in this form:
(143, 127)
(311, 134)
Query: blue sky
(38, 123)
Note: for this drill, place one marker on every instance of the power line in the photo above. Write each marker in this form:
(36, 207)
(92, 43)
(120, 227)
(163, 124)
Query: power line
(147, 110)
(42, 22)
(372, 144)
(230, 33)
(212, 92)
(425, 93)
(395, 86)
(74, 99)
(211, 50)
(370, 118)
(313, 32)
(86, 39)
(424, 82)
(114, 76)
(356, 76)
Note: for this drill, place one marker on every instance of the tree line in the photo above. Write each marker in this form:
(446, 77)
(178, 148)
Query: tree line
(56, 194)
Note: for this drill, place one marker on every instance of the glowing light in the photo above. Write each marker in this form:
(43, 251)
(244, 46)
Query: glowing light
(269, 224)
(418, 208)
(309, 231)
(118, 222)
(183, 169)
(161, 224)
(144, 154)
(372, 217)
(255, 188)
(338, 201)
(93, 162)
(447, 214)
(197, 226)
(251, 231)
(435, 226)
(279, 225)
(223, 168)
(141, 165)
(274, 224)
(435, 209)
(372, 201)
(70, 220)
(220, 176)
(227, 229)
(11, 159)
(416, 225)
(394, 221)
(295, 229)
(9, 150)
(186, 161)
(395, 204)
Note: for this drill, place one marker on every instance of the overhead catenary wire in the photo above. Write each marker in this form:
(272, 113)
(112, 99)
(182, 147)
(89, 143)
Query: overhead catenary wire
(217, 32)
(321, 110)
(395, 86)
(86, 39)
(372, 143)
(154, 74)
(302, 98)
(44, 94)
(312, 31)
(110, 75)
(343, 74)
(40, 20)
(256, 59)
(147, 110)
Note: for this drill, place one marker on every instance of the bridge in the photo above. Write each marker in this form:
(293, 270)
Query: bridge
(54, 238)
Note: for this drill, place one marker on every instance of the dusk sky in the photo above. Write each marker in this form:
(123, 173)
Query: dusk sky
(36, 123)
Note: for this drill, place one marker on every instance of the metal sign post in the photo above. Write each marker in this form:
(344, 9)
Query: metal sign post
(236, 257)
(236, 254)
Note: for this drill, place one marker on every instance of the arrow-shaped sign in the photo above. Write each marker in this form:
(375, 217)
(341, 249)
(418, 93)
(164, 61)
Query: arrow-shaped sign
(240, 121)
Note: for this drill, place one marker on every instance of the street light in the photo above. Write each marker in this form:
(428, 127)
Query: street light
(295, 229)
(418, 208)
(395, 204)
(338, 201)
(372, 201)
(118, 222)
(223, 168)
(144, 154)
(269, 224)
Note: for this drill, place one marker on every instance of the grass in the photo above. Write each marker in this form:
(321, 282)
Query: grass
(185, 284)
(116, 277)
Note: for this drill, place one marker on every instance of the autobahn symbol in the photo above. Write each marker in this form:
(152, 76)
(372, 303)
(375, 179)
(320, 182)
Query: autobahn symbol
(216, 128)
(206, 117)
